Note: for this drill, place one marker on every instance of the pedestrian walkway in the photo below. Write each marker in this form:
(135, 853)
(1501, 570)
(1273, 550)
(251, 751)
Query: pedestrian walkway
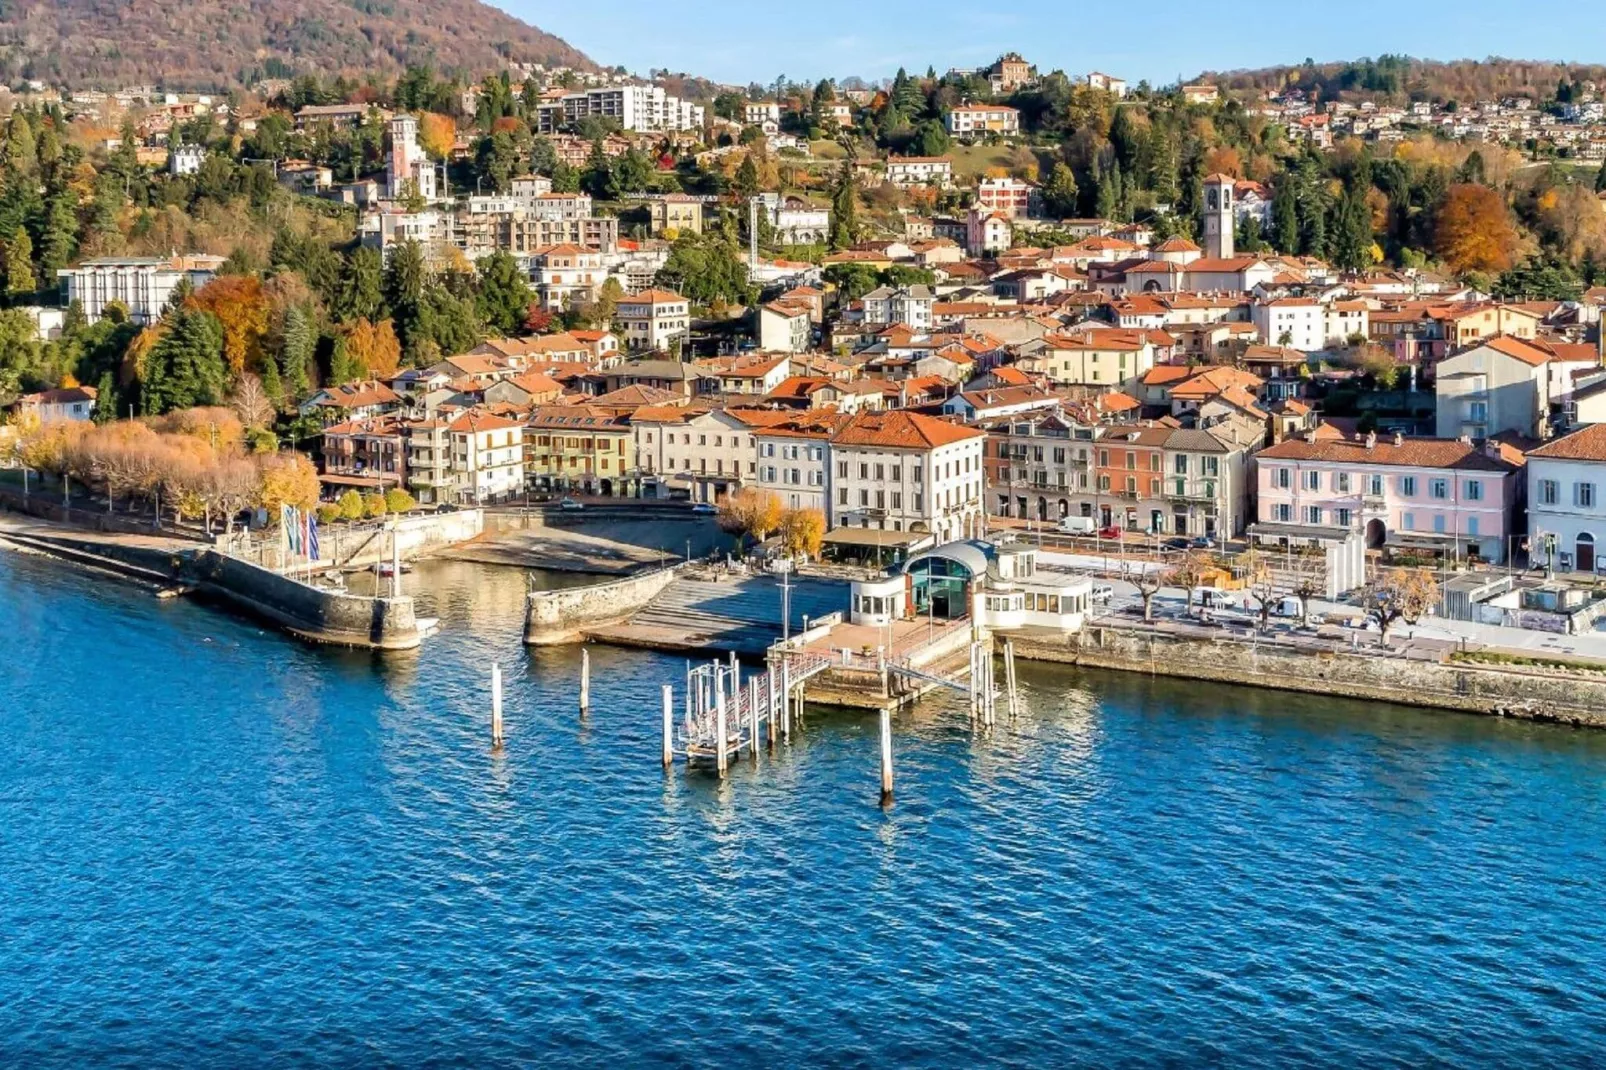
(740, 614)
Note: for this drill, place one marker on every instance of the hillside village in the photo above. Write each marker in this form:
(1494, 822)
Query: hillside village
(648, 296)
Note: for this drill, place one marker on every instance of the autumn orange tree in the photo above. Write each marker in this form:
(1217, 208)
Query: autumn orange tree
(373, 349)
(436, 133)
(241, 308)
(1474, 230)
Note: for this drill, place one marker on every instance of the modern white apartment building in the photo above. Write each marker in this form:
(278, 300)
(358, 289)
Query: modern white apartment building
(636, 107)
(141, 284)
(486, 457)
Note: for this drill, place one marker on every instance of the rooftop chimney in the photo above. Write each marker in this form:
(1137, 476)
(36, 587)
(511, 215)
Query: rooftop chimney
(1371, 439)
(1399, 439)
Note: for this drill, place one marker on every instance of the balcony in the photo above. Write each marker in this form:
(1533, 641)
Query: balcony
(1190, 492)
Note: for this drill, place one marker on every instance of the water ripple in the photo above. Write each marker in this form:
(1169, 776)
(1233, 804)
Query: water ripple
(221, 847)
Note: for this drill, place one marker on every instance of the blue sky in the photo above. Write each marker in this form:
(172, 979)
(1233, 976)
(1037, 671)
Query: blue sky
(740, 41)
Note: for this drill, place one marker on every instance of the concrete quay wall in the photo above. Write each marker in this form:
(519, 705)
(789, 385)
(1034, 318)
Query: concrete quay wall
(1577, 699)
(553, 617)
(311, 612)
(323, 616)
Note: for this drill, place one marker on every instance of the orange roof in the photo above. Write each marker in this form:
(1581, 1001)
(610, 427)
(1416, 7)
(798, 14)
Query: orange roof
(899, 429)
(652, 297)
(1515, 347)
(1411, 453)
(475, 421)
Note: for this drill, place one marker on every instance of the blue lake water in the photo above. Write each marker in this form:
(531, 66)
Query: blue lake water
(221, 847)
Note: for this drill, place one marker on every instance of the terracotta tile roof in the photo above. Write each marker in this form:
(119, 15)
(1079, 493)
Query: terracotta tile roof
(1526, 352)
(475, 421)
(654, 297)
(1585, 444)
(1410, 453)
(899, 429)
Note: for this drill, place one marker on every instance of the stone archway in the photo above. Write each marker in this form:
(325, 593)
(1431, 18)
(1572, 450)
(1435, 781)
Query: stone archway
(1376, 534)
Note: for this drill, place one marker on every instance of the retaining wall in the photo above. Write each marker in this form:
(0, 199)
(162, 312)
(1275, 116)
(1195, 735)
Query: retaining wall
(324, 616)
(311, 612)
(552, 617)
(1575, 699)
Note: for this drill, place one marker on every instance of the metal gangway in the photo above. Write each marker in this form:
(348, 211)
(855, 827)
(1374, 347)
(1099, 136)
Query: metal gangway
(724, 715)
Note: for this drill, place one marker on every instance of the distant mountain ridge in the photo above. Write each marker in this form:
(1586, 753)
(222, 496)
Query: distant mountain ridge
(219, 44)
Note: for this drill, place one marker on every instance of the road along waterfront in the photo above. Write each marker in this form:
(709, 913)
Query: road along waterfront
(226, 847)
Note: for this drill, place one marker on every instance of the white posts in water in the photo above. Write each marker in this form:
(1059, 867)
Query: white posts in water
(496, 706)
(585, 679)
(669, 725)
(1009, 678)
(719, 728)
(886, 755)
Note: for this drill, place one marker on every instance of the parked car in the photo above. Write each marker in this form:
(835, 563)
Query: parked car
(570, 505)
(1203, 542)
(1075, 525)
(1102, 593)
(703, 508)
(1111, 532)
(1178, 543)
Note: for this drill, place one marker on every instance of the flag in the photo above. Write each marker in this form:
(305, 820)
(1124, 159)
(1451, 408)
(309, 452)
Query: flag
(292, 528)
(312, 537)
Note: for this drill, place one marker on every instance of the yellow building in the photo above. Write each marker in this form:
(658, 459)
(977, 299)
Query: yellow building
(580, 448)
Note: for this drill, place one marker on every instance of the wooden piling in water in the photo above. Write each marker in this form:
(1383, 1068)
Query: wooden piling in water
(886, 755)
(496, 707)
(669, 725)
(752, 713)
(585, 678)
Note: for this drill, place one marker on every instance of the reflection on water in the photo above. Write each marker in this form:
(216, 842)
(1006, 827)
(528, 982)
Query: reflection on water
(225, 847)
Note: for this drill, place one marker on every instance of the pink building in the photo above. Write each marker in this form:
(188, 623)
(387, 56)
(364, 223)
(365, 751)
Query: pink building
(1436, 494)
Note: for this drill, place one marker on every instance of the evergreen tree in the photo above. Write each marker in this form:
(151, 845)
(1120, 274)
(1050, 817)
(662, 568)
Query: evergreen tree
(60, 238)
(1107, 199)
(19, 264)
(1162, 165)
(1061, 195)
(185, 368)
(1352, 231)
(745, 182)
(844, 209)
(1600, 179)
(1285, 215)
(300, 347)
(22, 153)
(360, 294)
(504, 292)
(105, 399)
(405, 279)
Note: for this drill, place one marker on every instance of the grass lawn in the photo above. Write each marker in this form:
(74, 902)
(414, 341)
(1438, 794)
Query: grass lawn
(972, 161)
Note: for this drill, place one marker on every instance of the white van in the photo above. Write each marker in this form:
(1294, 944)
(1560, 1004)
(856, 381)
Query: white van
(1075, 525)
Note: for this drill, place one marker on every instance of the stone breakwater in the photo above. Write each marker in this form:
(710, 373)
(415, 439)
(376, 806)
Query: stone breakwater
(561, 616)
(1540, 695)
(323, 616)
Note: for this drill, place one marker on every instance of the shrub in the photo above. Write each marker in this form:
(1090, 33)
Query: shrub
(351, 506)
(399, 501)
(374, 504)
(328, 513)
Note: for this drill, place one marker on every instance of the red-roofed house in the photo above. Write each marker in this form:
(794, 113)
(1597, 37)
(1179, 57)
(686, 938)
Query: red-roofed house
(901, 471)
(1501, 385)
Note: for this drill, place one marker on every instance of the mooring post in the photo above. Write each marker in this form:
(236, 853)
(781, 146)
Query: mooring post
(719, 730)
(752, 712)
(585, 679)
(786, 698)
(1009, 678)
(886, 755)
(496, 707)
(669, 725)
(736, 674)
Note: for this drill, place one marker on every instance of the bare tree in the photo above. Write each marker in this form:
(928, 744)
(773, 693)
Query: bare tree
(1148, 583)
(1308, 581)
(1399, 594)
(1263, 586)
(1189, 574)
(251, 402)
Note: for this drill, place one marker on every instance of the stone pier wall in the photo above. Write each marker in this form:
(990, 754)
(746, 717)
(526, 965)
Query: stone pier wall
(314, 613)
(1572, 698)
(552, 617)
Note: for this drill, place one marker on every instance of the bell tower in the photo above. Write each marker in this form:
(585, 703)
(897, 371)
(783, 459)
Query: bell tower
(1218, 216)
